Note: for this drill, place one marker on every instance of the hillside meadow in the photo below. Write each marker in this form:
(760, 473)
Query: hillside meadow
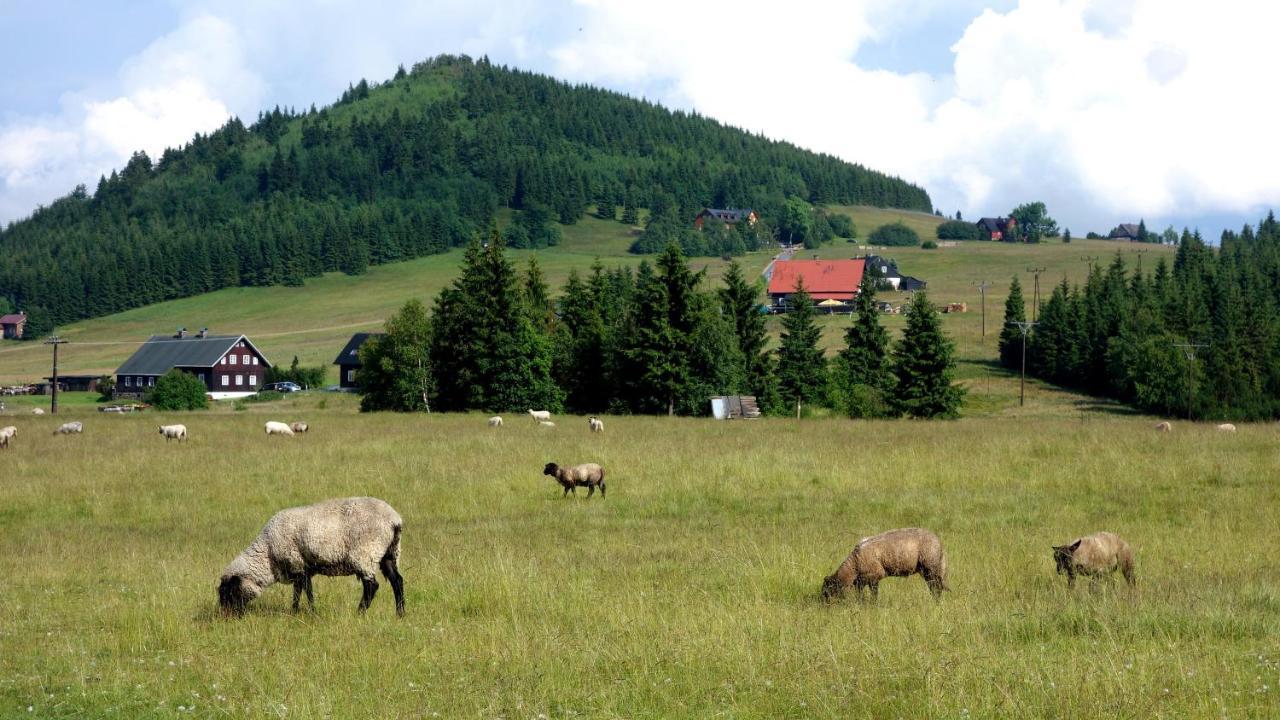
(692, 591)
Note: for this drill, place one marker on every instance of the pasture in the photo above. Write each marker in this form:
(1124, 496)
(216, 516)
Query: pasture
(692, 591)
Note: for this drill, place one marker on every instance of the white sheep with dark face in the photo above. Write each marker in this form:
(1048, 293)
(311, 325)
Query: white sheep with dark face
(347, 536)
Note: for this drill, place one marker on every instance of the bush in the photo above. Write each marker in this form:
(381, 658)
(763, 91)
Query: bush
(958, 230)
(307, 377)
(929, 245)
(843, 226)
(895, 235)
(265, 396)
(178, 390)
(106, 388)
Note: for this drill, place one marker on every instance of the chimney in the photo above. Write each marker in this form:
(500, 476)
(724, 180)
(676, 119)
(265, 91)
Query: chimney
(182, 333)
(204, 333)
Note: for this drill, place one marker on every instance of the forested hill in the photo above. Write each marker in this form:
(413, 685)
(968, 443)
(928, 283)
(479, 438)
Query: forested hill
(405, 168)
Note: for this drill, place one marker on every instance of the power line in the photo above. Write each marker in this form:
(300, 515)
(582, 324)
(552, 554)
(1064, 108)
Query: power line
(1090, 260)
(1035, 308)
(982, 288)
(55, 341)
(1189, 351)
(1025, 327)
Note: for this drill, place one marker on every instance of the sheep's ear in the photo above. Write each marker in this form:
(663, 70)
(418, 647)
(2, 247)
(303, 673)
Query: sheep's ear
(1075, 545)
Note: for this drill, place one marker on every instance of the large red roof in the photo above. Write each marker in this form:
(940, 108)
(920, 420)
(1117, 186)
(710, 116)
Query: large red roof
(12, 319)
(823, 279)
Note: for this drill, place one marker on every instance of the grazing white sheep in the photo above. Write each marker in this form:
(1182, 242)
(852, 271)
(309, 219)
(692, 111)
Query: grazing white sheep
(1226, 427)
(540, 415)
(299, 427)
(278, 428)
(345, 536)
(37, 411)
(70, 428)
(495, 421)
(1094, 555)
(596, 424)
(6, 434)
(546, 424)
(1164, 427)
(588, 475)
(173, 432)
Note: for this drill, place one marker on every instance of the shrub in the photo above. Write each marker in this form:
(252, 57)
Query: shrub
(895, 235)
(843, 226)
(178, 390)
(265, 396)
(929, 245)
(106, 388)
(958, 230)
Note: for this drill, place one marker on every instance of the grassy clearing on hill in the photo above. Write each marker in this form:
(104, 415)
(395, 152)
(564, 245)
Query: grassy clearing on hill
(690, 592)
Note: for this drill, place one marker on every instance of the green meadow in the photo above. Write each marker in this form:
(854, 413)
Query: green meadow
(692, 591)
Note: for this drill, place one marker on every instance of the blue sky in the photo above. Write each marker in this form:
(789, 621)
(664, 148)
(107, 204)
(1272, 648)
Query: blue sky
(1108, 110)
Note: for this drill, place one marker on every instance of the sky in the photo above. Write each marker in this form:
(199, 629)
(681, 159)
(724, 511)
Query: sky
(1109, 111)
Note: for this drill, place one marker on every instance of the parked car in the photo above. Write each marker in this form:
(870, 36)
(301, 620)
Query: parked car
(281, 387)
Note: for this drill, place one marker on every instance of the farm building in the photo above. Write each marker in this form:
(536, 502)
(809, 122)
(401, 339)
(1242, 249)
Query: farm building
(996, 228)
(727, 216)
(228, 365)
(69, 383)
(823, 279)
(11, 326)
(911, 284)
(348, 361)
(1127, 231)
(884, 270)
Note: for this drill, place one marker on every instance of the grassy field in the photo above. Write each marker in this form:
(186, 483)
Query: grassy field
(690, 592)
(313, 322)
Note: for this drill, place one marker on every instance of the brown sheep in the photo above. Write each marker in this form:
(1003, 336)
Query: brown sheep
(897, 553)
(588, 475)
(1094, 555)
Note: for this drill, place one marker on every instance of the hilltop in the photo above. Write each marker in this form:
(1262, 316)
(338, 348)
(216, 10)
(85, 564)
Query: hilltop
(392, 171)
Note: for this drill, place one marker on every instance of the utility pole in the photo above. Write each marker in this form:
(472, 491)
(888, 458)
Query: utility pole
(1025, 327)
(982, 288)
(55, 341)
(1189, 351)
(1035, 308)
(1139, 253)
(1090, 260)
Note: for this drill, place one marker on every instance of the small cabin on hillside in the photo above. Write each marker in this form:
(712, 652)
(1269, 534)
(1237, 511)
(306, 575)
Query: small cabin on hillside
(11, 325)
(228, 365)
(1127, 231)
(729, 216)
(823, 280)
(348, 360)
(997, 228)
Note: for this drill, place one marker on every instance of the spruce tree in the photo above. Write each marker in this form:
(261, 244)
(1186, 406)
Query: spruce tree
(651, 372)
(802, 368)
(862, 370)
(739, 300)
(1015, 311)
(923, 364)
(395, 370)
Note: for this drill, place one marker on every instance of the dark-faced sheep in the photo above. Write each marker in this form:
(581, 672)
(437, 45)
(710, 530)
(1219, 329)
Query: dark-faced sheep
(897, 553)
(588, 475)
(347, 536)
(298, 427)
(1094, 556)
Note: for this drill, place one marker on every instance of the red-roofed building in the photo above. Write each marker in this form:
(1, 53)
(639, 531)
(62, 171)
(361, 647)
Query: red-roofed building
(11, 326)
(823, 279)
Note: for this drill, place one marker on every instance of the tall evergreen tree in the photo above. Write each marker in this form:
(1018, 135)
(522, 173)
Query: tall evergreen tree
(861, 371)
(740, 301)
(802, 368)
(1015, 311)
(652, 372)
(924, 364)
(395, 368)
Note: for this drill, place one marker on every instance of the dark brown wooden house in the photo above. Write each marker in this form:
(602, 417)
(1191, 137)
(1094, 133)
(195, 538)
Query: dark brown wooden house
(348, 360)
(228, 365)
(11, 326)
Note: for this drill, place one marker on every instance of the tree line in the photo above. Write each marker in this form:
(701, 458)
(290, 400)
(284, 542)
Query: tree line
(413, 166)
(1198, 337)
(655, 340)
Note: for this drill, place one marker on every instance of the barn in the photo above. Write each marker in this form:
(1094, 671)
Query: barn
(823, 279)
(12, 325)
(228, 365)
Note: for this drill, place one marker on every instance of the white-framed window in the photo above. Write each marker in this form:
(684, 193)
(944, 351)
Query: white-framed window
(351, 376)
(233, 359)
(226, 380)
(253, 380)
(128, 381)
(246, 359)
(151, 382)
(222, 360)
(255, 359)
(239, 380)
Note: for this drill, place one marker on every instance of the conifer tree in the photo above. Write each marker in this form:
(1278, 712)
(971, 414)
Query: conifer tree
(651, 372)
(802, 369)
(923, 364)
(740, 302)
(1015, 311)
(862, 370)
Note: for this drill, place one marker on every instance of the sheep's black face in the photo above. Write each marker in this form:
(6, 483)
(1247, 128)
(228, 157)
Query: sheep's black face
(232, 596)
(831, 589)
(550, 469)
(1062, 557)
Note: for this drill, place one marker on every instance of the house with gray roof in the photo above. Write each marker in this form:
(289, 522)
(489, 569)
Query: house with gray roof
(1127, 231)
(348, 361)
(229, 365)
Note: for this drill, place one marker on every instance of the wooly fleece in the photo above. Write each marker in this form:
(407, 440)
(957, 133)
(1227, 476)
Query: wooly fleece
(277, 428)
(896, 553)
(587, 475)
(1094, 555)
(345, 536)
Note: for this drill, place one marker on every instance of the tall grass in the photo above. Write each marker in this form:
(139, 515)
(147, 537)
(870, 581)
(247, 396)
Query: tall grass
(690, 592)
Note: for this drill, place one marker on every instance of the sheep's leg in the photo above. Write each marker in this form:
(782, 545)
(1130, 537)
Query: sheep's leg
(370, 584)
(934, 583)
(311, 599)
(1071, 579)
(591, 490)
(858, 587)
(297, 591)
(391, 572)
(602, 490)
(565, 494)
(875, 593)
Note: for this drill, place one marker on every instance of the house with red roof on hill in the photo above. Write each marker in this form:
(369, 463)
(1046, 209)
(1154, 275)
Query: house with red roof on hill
(832, 284)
